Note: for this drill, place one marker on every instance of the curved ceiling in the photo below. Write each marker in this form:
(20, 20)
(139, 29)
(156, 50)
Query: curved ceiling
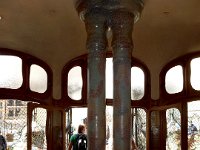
(52, 31)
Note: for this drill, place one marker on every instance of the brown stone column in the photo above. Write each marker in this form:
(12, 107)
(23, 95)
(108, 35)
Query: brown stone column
(95, 23)
(122, 25)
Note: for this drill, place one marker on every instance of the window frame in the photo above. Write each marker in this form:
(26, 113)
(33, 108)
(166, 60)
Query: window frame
(81, 61)
(24, 93)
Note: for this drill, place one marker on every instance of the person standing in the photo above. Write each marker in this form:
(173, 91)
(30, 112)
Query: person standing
(78, 141)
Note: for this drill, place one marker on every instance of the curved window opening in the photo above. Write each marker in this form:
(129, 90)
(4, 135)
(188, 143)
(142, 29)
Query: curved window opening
(195, 73)
(75, 83)
(193, 125)
(137, 83)
(38, 79)
(173, 118)
(10, 72)
(174, 80)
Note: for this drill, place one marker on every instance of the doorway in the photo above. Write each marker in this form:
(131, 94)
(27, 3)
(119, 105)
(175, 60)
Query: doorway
(77, 116)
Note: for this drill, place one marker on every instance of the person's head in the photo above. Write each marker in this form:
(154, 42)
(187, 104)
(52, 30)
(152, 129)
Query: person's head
(81, 129)
(85, 121)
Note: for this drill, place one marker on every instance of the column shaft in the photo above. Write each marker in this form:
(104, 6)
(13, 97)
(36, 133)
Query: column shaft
(122, 25)
(96, 45)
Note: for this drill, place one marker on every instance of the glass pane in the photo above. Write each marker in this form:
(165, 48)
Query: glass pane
(137, 83)
(173, 140)
(195, 73)
(139, 128)
(68, 127)
(155, 129)
(174, 80)
(10, 72)
(109, 78)
(38, 79)
(193, 125)
(78, 117)
(75, 83)
(39, 116)
(13, 123)
(109, 127)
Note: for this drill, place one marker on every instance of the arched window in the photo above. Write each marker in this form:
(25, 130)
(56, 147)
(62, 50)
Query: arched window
(179, 86)
(75, 79)
(137, 83)
(24, 77)
(38, 79)
(75, 83)
(174, 80)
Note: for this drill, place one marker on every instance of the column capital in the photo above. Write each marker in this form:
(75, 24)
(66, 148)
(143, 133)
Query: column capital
(132, 6)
